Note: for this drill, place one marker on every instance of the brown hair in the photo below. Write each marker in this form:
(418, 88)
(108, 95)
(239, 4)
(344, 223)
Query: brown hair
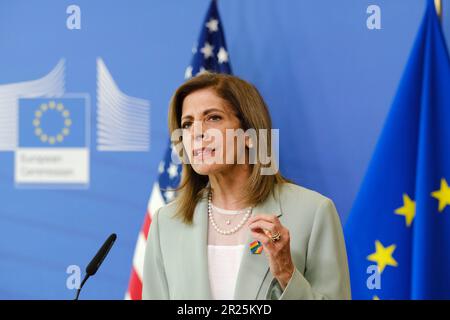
(252, 112)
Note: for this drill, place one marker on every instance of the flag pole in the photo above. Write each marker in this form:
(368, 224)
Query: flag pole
(438, 5)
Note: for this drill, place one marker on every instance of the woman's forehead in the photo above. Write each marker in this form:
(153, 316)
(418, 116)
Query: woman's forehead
(202, 100)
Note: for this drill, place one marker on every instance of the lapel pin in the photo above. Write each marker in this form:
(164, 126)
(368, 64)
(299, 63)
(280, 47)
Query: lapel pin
(256, 247)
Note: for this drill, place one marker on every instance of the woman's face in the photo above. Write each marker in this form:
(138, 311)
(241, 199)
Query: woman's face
(205, 120)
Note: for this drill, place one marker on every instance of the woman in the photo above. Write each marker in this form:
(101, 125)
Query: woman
(233, 232)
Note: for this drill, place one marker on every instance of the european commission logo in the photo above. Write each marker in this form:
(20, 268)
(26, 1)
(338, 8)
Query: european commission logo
(53, 123)
(49, 129)
(53, 141)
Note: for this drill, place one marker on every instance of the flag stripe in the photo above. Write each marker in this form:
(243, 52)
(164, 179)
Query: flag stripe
(146, 225)
(135, 287)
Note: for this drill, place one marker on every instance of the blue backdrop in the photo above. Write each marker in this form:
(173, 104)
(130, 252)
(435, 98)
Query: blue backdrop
(328, 80)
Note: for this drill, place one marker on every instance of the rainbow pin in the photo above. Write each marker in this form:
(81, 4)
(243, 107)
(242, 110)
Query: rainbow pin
(256, 247)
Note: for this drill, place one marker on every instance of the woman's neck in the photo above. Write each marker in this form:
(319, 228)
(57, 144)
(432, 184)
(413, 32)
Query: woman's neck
(228, 187)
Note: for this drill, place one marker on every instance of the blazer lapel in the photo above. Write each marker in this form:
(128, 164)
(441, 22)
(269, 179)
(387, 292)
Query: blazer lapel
(254, 267)
(194, 250)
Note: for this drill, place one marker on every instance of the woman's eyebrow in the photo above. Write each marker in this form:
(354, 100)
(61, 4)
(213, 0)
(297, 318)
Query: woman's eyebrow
(205, 112)
(212, 110)
(186, 117)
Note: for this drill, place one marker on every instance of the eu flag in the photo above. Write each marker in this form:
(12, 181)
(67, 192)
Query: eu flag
(52, 122)
(400, 221)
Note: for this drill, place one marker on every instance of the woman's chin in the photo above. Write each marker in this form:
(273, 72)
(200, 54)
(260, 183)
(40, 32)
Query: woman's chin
(207, 169)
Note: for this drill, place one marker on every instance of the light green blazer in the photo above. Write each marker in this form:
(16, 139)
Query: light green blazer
(176, 262)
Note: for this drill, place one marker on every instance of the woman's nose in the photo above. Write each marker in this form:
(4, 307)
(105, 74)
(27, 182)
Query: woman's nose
(198, 130)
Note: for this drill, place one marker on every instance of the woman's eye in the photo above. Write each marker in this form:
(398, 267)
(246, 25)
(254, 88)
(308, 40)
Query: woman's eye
(186, 125)
(215, 118)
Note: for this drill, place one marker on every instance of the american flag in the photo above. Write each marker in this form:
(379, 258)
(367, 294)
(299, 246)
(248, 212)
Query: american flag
(210, 54)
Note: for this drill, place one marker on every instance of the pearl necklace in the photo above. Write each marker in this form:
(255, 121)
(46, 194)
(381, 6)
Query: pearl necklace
(214, 224)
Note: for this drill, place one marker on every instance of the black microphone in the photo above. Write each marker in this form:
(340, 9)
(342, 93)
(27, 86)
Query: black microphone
(95, 263)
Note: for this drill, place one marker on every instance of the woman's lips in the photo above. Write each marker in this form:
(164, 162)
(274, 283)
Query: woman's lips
(202, 152)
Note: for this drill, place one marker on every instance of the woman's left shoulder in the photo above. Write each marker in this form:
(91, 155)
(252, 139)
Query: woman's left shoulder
(302, 202)
(292, 192)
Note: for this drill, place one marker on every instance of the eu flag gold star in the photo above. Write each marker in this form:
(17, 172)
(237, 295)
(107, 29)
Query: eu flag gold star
(443, 195)
(383, 256)
(408, 210)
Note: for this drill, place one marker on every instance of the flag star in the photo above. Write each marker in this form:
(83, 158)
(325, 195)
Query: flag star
(443, 195)
(194, 48)
(172, 171)
(408, 210)
(170, 195)
(383, 256)
(161, 167)
(207, 50)
(213, 25)
(202, 70)
(222, 55)
(188, 72)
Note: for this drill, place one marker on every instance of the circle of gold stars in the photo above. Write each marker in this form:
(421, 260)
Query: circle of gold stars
(65, 115)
